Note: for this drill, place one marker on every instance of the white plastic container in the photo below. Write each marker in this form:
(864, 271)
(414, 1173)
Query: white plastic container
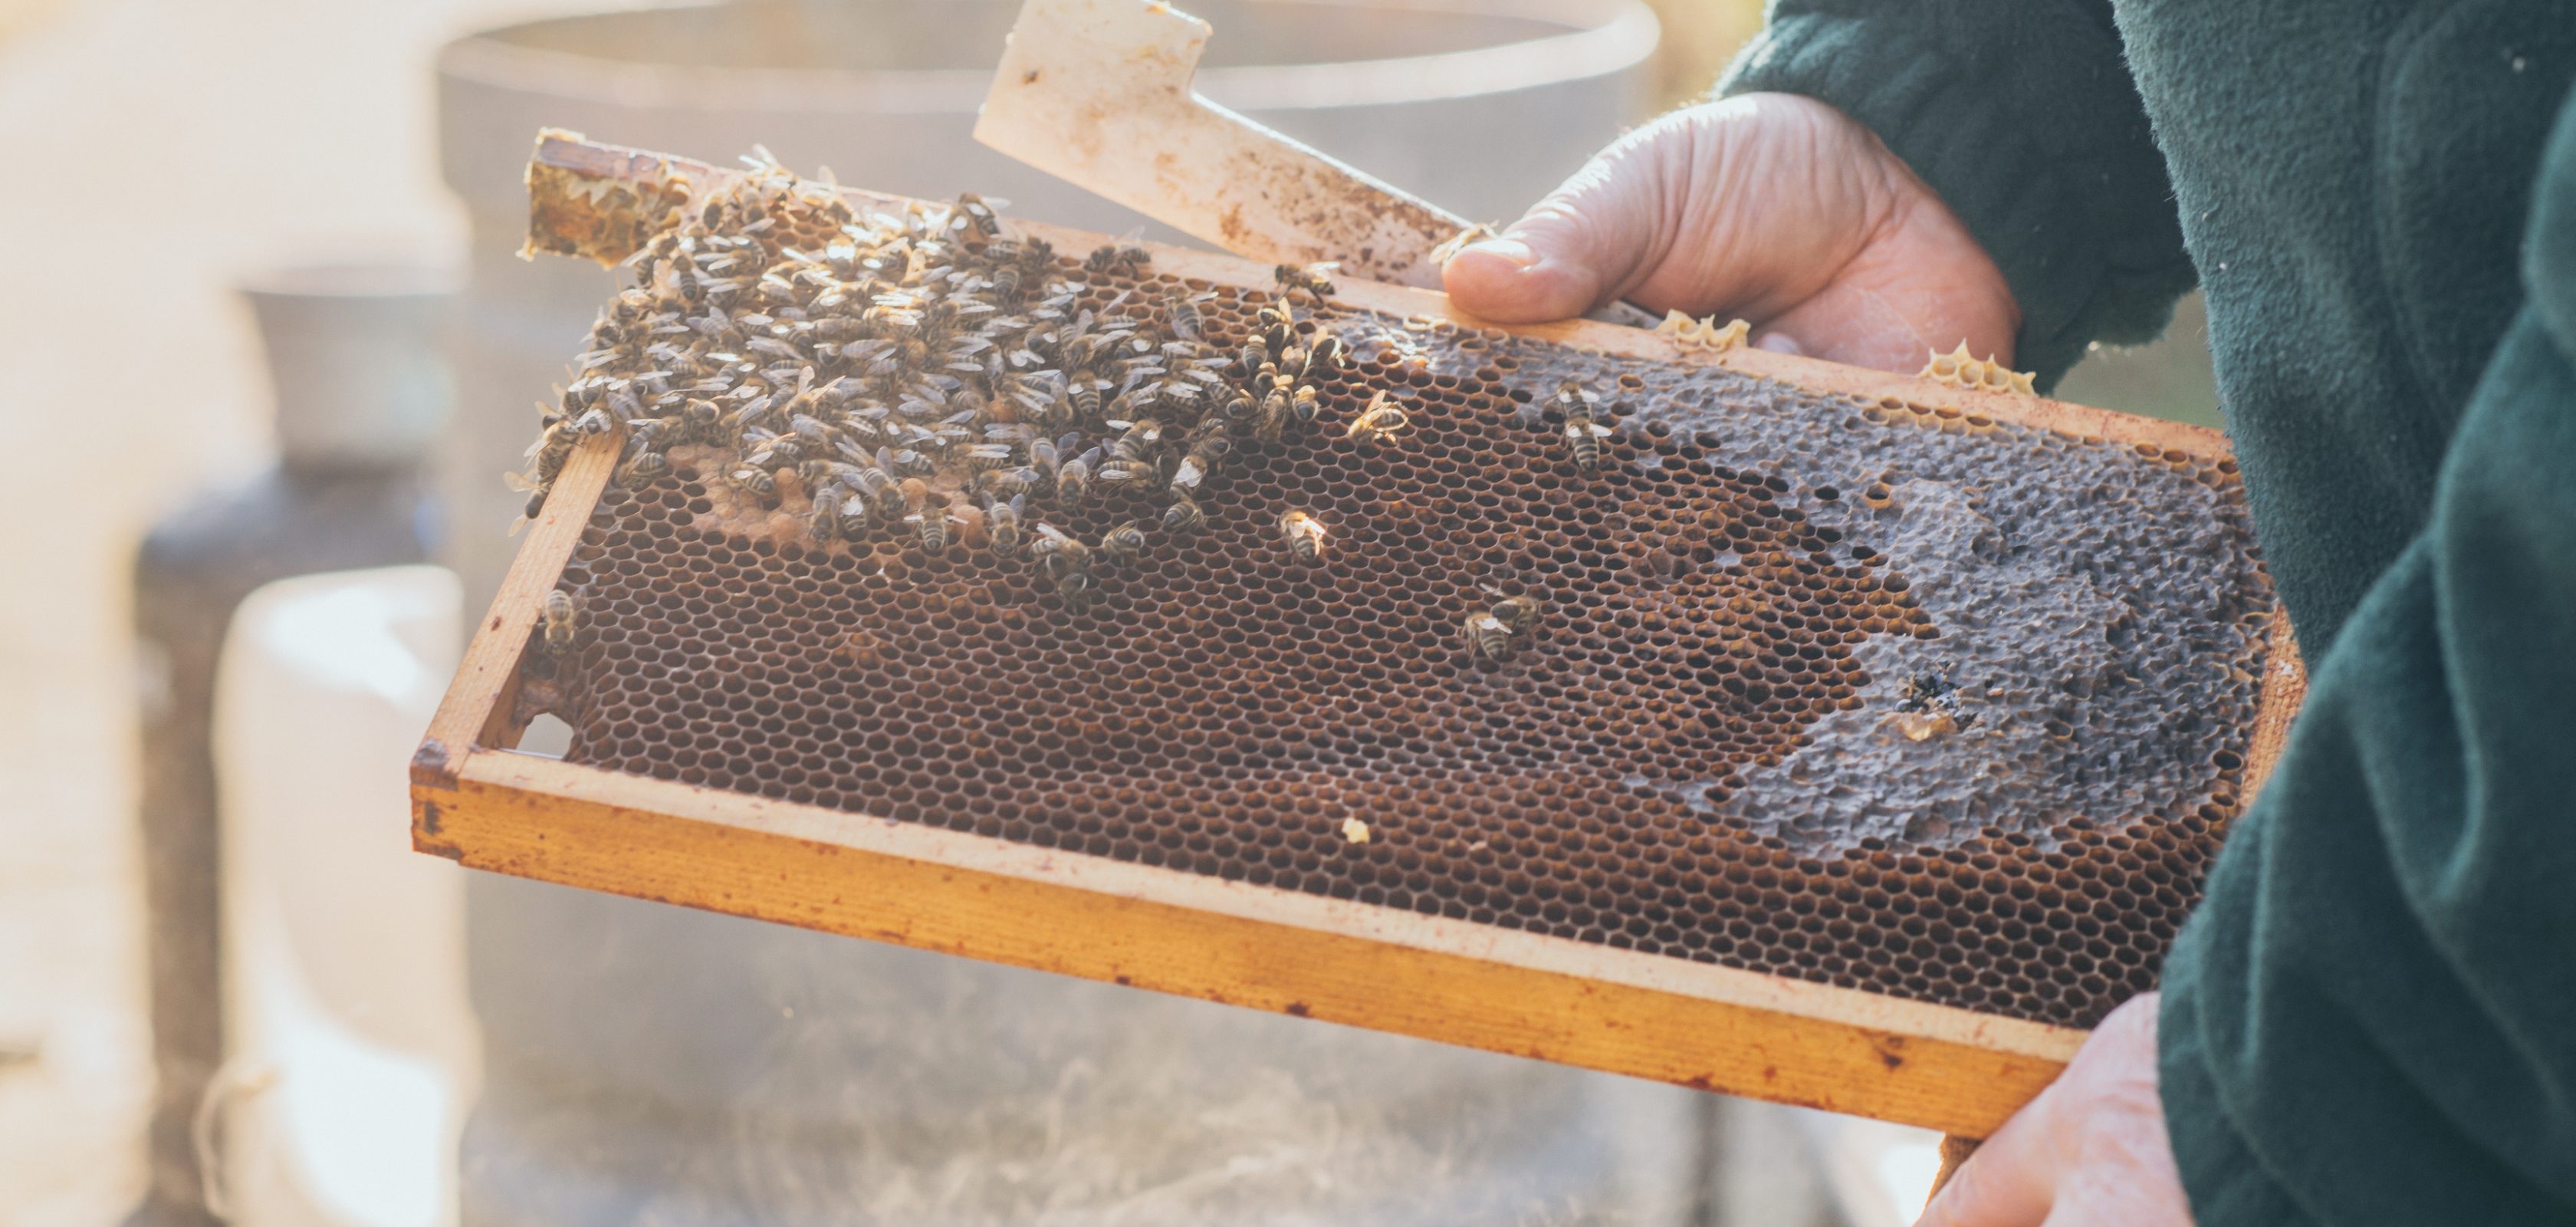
(350, 1049)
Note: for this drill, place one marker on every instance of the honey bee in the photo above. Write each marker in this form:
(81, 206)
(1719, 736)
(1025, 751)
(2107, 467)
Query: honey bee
(1002, 523)
(558, 615)
(824, 521)
(1583, 435)
(877, 485)
(536, 492)
(1183, 518)
(1304, 407)
(1015, 482)
(1321, 360)
(701, 420)
(1310, 278)
(552, 449)
(972, 213)
(754, 479)
(1121, 473)
(850, 519)
(1931, 707)
(1518, 614)
(1488, 638)
(1083, 388)
(1183, 316)
(1255, 353)
(1278, 327)
(1240, 414)
(1381, 422)
(1015, 264)
(1063, 558)
(1124, 543)
(1140, 439)
(931, 522)
(1276, 409)
(646, 468)
(1186, 476)
(1073, 478)
(1122, 258)
(1304, 536)
(684, 278)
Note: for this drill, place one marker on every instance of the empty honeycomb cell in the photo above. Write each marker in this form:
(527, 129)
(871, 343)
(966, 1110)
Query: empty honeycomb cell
(1694, 750)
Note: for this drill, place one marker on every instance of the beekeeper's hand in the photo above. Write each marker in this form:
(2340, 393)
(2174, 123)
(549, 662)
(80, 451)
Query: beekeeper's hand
(2089, 1152)
(1771, 208)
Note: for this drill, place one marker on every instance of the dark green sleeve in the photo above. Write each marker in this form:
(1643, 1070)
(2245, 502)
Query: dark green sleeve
(2372, 1016)
(2022, 115)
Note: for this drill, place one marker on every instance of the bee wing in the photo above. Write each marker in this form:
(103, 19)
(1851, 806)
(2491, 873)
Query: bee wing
(519, 482)
(1052, 533)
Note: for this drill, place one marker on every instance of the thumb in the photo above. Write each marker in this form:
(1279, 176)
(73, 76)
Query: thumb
(2005, 1184)
(1580, 248)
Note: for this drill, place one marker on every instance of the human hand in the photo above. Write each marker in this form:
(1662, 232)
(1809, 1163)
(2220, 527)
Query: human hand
(1771, 208)
(2089, 1152)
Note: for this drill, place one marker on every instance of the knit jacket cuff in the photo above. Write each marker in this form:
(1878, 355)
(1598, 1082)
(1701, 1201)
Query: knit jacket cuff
(2022, 115)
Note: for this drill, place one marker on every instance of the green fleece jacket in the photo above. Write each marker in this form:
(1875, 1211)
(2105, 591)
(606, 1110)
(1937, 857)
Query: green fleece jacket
(2372, 1017)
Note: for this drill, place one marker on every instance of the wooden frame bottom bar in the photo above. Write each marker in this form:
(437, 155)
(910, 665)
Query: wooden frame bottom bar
(1645, 1015)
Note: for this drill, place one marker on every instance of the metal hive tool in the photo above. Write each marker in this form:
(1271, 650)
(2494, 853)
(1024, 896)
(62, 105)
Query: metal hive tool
(1848, 759)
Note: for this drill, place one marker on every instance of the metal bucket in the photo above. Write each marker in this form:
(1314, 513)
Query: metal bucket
(650, 1064)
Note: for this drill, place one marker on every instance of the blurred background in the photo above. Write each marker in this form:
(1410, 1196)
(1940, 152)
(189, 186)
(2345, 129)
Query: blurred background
(172, 156)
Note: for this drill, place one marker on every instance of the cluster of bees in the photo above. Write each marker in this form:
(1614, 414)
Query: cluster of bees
(930, 374)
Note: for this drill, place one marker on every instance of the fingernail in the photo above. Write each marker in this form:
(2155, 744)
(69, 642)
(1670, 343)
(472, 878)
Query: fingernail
(1514, 250)
(1779, 343)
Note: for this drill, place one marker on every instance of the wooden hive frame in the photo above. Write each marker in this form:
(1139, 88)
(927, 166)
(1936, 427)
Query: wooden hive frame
(479, 803)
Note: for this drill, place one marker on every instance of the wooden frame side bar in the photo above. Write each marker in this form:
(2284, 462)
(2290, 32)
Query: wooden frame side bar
(478, 711)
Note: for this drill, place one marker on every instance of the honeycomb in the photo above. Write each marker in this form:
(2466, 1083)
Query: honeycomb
(1855, 692)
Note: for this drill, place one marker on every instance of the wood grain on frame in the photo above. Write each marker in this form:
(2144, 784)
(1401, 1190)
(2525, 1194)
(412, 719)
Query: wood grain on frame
(477, 710)
(1190, 934)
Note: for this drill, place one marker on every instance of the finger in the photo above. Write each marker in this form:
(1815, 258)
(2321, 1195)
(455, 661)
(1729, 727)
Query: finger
(2009, 1182)
(1578, 248)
